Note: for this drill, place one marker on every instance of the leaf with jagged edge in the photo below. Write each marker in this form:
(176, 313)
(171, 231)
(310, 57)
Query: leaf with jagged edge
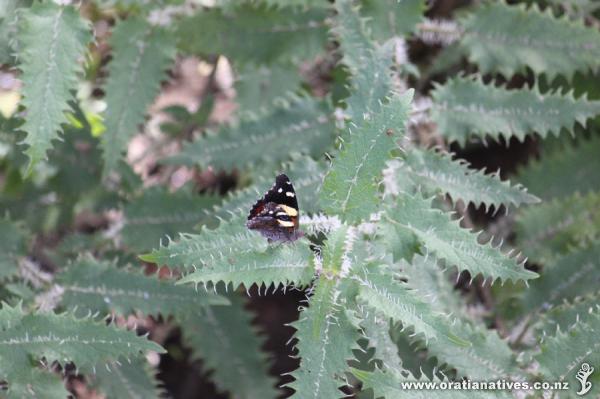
(12, 246)
(94, 286)
(299, 125)
(46, 384)
(376, 329)
(552, 228)
(565, 277)
(52, 40)
(306, 175)
(325, 334)
(389, 384)
(436, 172)
(351, 185)
(568, 314)
(392, 18)
(233, 254)
(443, 237)
(575, 8)
(560, 173)
(254, 34)
(227, 343)
(141, 54)
(9, 17)
(159, 213)
(496, 40)
(127, 380)
(62, 338)
(563, 354)
(488, 357)
(259, 86)
(388, 296)
(464, 108)
(370, 83)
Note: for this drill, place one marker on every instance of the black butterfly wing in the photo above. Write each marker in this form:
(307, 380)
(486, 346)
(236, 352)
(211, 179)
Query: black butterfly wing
(281, 193)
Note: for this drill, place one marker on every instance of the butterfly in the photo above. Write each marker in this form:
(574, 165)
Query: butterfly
(276, 215)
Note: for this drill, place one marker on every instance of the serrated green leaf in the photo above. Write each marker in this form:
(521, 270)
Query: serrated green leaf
(448, 241)
(306, 123)
(12, 246)
(8, 29)
(496, 40)
(390, 297)
(127, 380)
(436, 172)
(325, 341)
(391, 384)
(352, 183)
(159, 213)
(582, 346)
(377, 331)
(95, 286)
(465, 107)
(52, 40)
(392, 18)
(233, 254)
(228, 334)
(553, 228)
(60, 338)
(568, 314)
(256, 34)
(141, 54)
(260, 86)
(562, 172)
(371, 81)
(565, 277)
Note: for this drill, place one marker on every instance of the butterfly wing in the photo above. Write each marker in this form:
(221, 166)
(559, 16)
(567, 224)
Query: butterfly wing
(281, 193)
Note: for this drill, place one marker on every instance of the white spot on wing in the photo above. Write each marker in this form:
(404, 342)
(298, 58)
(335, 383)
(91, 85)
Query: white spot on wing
(288, 182)
(280, 190)
(290, 194)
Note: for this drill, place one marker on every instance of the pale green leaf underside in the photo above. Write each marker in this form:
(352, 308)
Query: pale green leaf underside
(325, 342)
(562, 172)
(351, 186)
(509, 39)
(437, 172)
(466, 107)
(52, 42)
(228, 344)
(555, 227)
(458, 247)
(298, 126)
(141, 54)
(94, 286)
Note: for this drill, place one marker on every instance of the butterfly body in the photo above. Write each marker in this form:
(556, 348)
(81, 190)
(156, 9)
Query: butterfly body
(276, 214)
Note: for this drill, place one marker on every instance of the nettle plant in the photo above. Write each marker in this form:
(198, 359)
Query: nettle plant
(398, 286)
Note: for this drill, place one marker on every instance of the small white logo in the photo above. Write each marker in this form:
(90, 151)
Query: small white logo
(582, 375)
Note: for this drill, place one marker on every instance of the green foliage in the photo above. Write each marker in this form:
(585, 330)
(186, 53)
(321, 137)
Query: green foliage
(226, 333)
(496, 40)
(547, 230)
(52, 39)
(43, 335)
(448, 241)
(572, 169)
(12, 246)
(391, 18)
(158, 213)
(352, 182)
(92, 286)
(127, 379)
(436, 172)
(300, 125)
(142, 53)
(465, 107)
(8, 29)
(256, 34)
